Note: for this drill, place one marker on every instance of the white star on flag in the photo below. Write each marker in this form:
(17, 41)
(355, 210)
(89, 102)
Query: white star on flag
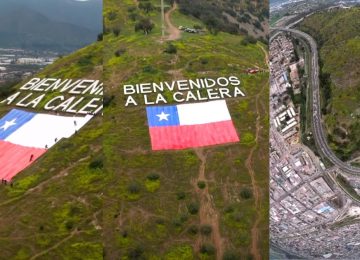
(163, 116)
(7, 124)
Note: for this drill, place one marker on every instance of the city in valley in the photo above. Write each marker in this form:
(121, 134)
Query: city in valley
(314, 196)
(17, 64)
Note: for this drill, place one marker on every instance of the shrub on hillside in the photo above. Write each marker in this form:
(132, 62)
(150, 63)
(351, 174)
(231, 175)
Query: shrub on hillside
(145, 25)
(96, 164)
(171, 49)
(207, 249)
(206, 230)
(153, 177)
(133, 188)
(245, 193)
(193, 208)
(248, 40)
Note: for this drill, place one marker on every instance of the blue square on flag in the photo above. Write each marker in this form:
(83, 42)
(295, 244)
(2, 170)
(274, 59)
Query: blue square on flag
(12, 121)
(162, 115)
(190, 125)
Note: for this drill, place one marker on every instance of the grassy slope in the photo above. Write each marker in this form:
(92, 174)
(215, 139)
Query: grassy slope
(54, 206)
(153, 222)
(338, 34)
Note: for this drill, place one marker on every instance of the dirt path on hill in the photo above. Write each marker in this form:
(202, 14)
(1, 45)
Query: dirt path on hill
(176, 74)
(208, 213)
(266, 55)
(73, 233)
(256, 189)
(171, 29)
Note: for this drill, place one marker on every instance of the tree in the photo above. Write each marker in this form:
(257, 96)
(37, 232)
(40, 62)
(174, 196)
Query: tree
(116, 31)
(145, 25)
(147, 6)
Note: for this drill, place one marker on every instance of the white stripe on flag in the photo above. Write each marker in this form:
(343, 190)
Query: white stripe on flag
(43, 129)
(203, 113)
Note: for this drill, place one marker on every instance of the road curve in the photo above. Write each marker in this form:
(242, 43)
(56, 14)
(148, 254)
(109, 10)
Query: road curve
(318, 131)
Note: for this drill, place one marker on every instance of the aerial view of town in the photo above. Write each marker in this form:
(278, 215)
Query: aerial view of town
(16, 64)
(314, 151)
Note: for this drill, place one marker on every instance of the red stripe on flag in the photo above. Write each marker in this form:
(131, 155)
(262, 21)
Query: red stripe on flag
(190, 136)
(15, 158)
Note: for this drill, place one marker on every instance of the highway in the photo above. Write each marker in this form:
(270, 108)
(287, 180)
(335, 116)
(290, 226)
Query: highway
(318, 130)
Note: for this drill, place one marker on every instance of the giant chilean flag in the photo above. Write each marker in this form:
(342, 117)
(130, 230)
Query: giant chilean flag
(25, 136)
(190, 125)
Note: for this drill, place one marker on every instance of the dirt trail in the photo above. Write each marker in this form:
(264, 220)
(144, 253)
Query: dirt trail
(266, 55)
(256, 190)
(171, 29)
(75, 232)
(208, 213)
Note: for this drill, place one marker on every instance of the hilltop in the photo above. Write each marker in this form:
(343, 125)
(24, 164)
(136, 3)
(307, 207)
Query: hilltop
(196, 203)
(337, 35)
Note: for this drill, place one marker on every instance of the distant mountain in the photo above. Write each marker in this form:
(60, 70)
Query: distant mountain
(86, 13)
(22, 27)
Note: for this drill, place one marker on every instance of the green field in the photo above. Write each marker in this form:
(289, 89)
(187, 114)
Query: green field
(337, 34)
(158, 204)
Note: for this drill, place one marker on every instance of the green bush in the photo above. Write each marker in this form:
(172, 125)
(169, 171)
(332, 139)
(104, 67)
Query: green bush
(96, 164)
(193, 230)
(206, 230)
(201, 184)
(134, 188)
(116, 31)
(248, 40)
(171, 49)
(107, 100)
(245, 193)
(120, 52)
(193, 208)
(136, 253)
(153, 177)
(180, 195)
(231, 255)
(207, 249)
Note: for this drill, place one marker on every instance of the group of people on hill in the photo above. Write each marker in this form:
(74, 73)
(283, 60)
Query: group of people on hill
(5, 182)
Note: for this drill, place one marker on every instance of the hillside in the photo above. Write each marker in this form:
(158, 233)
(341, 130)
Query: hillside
(105, 187)
(337, 33)
(244, 17)
(53, 208)
(196, 203)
